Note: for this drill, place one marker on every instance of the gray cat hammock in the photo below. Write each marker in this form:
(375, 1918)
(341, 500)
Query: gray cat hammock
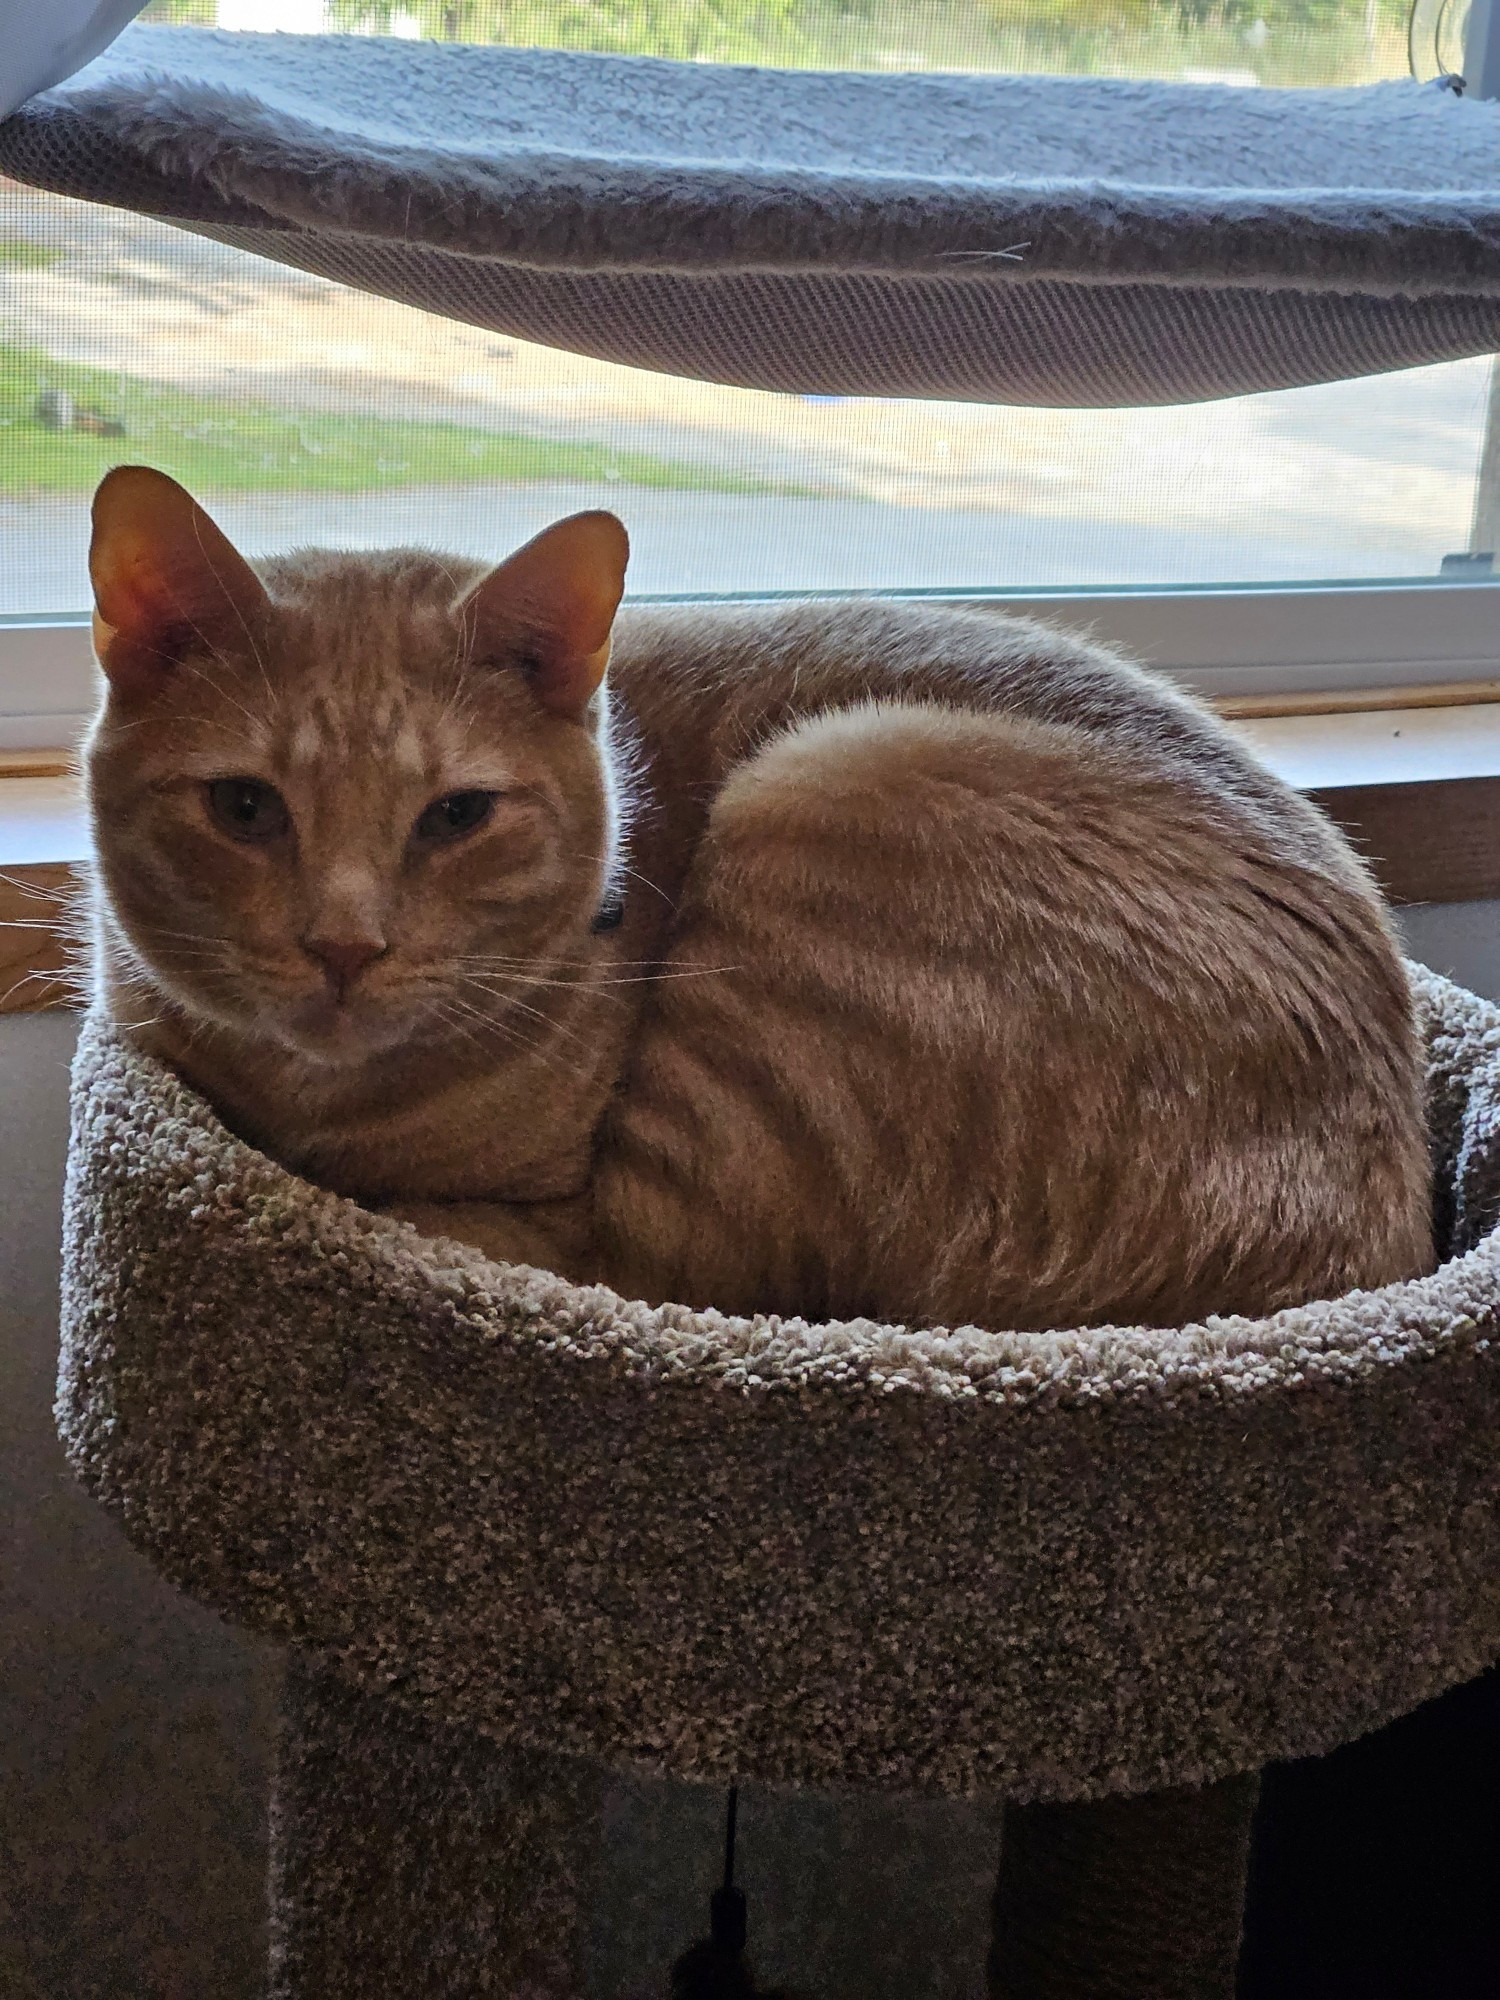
(520, 1534)
(1022, 239)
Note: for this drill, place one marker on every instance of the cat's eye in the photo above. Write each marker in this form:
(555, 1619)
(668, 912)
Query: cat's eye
(450, 818)
(248, 809)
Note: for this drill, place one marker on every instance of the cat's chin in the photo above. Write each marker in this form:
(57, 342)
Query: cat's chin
(335, 1035)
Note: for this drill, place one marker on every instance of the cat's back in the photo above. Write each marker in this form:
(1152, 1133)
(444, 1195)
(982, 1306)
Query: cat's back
(1006, 986)
(709, 684)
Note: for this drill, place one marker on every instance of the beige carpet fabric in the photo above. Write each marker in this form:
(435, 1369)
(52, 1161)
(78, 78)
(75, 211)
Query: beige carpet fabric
(1051, 1566)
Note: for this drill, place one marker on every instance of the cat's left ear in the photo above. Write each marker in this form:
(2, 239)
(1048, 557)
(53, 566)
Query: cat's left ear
(558, 596)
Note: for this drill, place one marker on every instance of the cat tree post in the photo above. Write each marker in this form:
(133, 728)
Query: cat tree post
(410, 1859)
(418, 1860)
(1124, 1896)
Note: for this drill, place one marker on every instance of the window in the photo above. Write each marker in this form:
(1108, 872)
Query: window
(1241, 41)
(1291, 540)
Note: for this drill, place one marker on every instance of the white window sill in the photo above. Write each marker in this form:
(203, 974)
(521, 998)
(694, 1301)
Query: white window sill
(1378, 746)
(41, 821)
(42, 818)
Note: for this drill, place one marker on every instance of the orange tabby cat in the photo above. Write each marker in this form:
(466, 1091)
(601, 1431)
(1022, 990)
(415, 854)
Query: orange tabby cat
(962, 972)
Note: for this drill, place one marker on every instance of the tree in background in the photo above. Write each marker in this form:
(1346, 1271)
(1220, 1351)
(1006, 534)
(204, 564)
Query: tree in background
(1269, 41)
(186, 13)
(717, 30)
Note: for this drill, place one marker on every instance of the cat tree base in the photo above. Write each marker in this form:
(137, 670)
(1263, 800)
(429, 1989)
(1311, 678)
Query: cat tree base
(416, 1859)
(519, 1532)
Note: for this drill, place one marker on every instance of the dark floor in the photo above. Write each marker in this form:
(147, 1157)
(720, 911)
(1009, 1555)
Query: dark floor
(1375, 1873)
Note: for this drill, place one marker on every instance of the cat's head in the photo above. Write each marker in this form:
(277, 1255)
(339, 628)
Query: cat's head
(342, 801)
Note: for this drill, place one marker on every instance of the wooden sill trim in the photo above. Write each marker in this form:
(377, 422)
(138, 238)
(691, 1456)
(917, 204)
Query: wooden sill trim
(1234, 707)
(37, 764)
(1434, 841)
(56, 763)
(1355, 701)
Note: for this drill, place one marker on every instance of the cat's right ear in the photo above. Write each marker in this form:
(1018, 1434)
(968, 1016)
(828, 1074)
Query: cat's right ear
(166, 580)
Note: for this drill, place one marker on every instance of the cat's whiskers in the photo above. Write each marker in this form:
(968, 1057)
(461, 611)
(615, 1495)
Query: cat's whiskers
(191, 954)
(458, 694)
(151, 1021)
(30, 890)
(204, 947)
(455, 1012)
(672, 972)
(534, 1044)
(651, 977)
(513, 1003)
(624, 868)
(193, 670)
(440, 1013)
(273, 696)
(508, 983)
(191, 937)
(218, 965)
(40, 978)
(524, 960)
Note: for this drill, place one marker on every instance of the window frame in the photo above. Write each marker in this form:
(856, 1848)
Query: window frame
(1251, 648)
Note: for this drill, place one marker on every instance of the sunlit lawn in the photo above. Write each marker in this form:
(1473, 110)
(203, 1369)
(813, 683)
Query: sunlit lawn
(235, 447)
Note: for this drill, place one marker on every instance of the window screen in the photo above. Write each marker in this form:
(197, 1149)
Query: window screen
(304, 413)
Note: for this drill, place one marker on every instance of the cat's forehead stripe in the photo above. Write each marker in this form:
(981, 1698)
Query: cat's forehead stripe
(385, 732)
(408, 749)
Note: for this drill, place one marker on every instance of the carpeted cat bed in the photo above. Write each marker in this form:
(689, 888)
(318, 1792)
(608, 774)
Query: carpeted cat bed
(522, 1534)
(1027, 239)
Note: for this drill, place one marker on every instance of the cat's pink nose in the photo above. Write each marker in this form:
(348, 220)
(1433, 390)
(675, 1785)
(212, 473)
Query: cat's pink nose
(342, 959)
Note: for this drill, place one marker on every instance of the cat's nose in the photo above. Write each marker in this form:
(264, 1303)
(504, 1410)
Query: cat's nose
(343, 959)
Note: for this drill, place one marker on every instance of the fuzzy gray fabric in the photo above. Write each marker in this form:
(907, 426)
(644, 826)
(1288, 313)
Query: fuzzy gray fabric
(409, 1858)
(1028, 239)
(1049, 1566)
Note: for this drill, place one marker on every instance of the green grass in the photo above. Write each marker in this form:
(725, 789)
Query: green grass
(228, 447)
(18, 254)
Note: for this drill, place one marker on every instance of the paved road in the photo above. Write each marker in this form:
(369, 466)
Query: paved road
(716, 541)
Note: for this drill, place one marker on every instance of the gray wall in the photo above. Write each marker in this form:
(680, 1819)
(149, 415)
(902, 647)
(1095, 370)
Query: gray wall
(135, 1729)
(1460, 940)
